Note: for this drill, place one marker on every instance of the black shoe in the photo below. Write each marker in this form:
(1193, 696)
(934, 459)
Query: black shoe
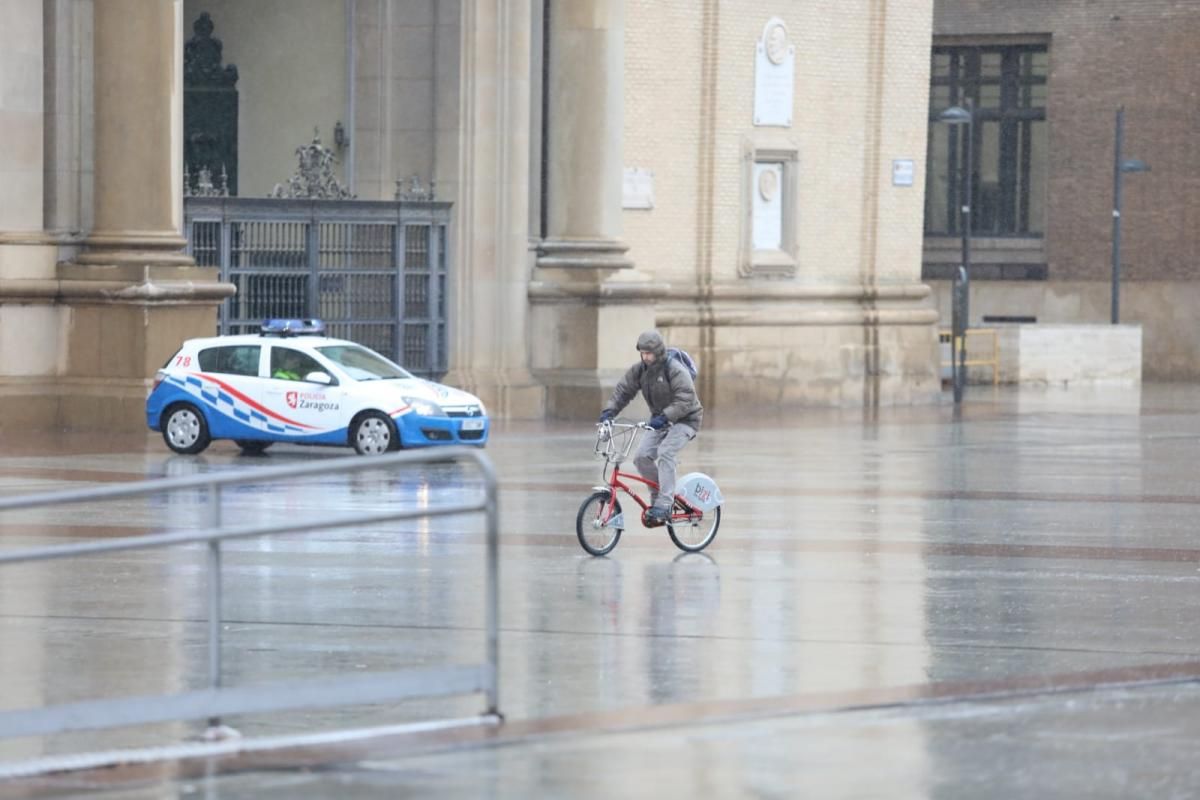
(657, 516)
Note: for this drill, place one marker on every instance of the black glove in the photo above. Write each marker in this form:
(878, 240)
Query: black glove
(606, 415)
(658, 422)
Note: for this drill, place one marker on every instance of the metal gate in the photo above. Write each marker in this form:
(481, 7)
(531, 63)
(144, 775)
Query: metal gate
(375, 272)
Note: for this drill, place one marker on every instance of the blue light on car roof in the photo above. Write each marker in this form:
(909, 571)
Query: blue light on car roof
(292, 327)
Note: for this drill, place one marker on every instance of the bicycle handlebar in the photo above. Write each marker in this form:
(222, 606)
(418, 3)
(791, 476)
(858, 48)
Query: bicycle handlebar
(613, 424)
(615, 439)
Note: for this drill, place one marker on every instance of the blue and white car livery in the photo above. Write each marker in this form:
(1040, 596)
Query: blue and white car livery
(290, 383)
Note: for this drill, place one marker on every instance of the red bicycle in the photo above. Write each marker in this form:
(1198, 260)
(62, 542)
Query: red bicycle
(695, 513)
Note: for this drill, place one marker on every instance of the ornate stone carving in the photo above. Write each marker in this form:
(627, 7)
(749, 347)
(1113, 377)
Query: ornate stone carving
(314, 178)
(210, 108)
(202, 57)
(203, 185)
(414, 192)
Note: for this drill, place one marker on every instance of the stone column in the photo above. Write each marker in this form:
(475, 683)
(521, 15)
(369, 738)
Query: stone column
(24, 251)
(585, 94)
(588, 306)
(138, 135)
(489, 317)
(27, 253)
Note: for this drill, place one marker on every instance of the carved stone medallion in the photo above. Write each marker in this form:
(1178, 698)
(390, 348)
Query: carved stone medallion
(768, 185)
(776, 42)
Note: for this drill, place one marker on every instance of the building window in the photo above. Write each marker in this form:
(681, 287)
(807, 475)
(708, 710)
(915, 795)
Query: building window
(1007, 85)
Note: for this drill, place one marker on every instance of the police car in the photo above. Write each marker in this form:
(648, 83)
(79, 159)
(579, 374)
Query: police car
(291, 383)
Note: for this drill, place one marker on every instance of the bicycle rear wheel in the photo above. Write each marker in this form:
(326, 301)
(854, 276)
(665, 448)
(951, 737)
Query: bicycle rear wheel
(695, 535)
(593, 524)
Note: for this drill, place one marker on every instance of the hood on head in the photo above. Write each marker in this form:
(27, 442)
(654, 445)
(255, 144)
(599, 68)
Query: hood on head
(652, 342)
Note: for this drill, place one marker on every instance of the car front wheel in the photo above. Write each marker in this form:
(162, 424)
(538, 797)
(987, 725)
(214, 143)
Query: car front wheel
(184, 429)
(372, 434)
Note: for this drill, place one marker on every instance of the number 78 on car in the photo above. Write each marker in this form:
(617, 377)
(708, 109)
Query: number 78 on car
(291, 383)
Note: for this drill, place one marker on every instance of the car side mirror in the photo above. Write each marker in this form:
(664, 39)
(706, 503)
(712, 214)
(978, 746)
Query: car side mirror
(323, 378)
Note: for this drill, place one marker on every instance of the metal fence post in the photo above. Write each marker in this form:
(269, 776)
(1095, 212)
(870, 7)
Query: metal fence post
(312, 244)
(958, 351)
(399, 243)
(214, 598)
(493, 586)
(433, 353)
(225, 261)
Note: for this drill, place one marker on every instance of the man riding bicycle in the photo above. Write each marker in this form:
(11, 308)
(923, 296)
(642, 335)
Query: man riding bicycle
(675, 411)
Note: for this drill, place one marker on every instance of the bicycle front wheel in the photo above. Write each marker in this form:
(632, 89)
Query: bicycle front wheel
(594, 524)
(692, 536)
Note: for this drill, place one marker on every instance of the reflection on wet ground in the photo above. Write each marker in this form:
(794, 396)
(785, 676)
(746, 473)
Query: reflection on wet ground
(930, 599)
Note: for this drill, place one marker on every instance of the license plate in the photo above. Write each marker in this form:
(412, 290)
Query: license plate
(472, 425)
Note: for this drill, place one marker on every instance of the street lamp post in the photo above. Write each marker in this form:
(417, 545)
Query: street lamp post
(1120, 167)
(959, 297)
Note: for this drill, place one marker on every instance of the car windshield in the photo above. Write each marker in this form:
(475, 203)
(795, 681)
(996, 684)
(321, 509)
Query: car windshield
(362, 364)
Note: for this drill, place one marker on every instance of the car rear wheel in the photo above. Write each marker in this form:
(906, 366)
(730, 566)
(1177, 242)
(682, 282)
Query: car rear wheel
(372, 434)
(251, 447)
(184, 429)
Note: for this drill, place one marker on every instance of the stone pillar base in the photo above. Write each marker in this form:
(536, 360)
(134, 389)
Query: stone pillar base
(605, 255)
(584, 338)
(764, 347)
(516, 395)
(580, 395)
(134, 249)
(87, 404)
(808, 366)
(80, 350)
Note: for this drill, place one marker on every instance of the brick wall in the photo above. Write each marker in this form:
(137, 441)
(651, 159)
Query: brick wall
(1105, 53)
(861, 87)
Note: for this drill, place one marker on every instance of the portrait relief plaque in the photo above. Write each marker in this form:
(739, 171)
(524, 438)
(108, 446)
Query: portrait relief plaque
(767, 215)
(774, 71)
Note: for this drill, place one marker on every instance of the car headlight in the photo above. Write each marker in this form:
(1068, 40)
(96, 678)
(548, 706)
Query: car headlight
(426, 408)
(482, 409)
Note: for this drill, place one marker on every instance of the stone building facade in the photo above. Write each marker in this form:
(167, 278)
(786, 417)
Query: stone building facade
(604, 159)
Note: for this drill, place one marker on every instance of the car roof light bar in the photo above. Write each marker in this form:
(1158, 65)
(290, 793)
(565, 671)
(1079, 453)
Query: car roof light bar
(292, 327)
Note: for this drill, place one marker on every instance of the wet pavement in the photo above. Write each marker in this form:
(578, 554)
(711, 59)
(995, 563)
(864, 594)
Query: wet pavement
(898, 604)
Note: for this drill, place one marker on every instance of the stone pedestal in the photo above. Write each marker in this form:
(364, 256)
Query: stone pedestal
(584, 335)
(1063, 355)
(764, 344)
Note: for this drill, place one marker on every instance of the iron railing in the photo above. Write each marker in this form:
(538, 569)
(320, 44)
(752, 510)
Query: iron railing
(216, 701)
(374, 271)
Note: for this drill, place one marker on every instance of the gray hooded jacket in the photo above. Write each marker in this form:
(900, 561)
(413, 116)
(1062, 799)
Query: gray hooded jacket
(666, 385)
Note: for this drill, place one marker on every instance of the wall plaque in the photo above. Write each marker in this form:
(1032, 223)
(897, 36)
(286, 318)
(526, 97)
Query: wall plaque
(774, 70)
(637, 188)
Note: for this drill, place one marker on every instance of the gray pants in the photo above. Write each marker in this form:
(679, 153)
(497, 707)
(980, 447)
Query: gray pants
(662, 446)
